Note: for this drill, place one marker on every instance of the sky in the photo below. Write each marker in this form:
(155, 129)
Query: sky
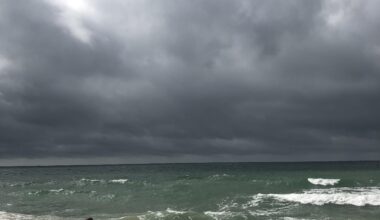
(122, 81)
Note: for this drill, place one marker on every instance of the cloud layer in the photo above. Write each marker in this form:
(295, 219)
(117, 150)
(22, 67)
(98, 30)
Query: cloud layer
(199, 80)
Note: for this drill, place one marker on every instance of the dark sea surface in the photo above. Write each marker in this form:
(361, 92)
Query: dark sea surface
(331, 190)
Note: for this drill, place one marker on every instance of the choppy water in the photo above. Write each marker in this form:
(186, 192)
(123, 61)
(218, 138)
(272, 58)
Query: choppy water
(193, 191)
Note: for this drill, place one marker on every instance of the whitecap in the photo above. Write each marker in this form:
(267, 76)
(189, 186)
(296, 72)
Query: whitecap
(51, 191)
(292, 218)
(218, 176)
(62, 191)
(90, 180)
(323, 182)
(122, 181)
(168, 210)
(14, 216)
(86, 181)
(254, 202)
(217, 215)
(56, 190)
(21, 184)
(106, 197)
(149, 214)
(17, 216)
(34, 193)
(160, 214)
(340, 196)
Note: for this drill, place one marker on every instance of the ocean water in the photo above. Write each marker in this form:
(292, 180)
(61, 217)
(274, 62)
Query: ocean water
(289, 191)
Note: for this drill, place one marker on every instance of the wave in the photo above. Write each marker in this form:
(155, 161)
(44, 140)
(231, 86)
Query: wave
(14, 216)
(121, 181)
(175, 214)
(26, 184)
(21, 184)
(323, 182)
(280, 205)
(85, 181)
(174, 211)
(269, 211)
(224, 214)
(218, 177)
(160, 214)
(91, 180)
(339, 196)
(51, 191)
(292, 218)
(56, 190)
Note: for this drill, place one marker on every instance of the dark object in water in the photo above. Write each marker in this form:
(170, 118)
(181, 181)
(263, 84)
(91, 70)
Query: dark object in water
(90, 218)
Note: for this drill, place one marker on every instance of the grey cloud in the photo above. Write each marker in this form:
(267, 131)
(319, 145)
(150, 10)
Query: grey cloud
(217, 80)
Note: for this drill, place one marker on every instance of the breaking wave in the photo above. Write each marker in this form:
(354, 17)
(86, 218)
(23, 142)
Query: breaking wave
(17, 216)
(160, 214)
(121, 181)
(224, 214)
(360, 196)
(218, 176)
(85, 181)
(175, 214)
(51, 191)
(280, 205)
(323, 182)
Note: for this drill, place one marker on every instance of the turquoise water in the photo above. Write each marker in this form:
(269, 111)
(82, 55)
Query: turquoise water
(346, 190)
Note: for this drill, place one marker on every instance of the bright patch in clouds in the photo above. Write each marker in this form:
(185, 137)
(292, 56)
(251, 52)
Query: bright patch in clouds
(337, 12)
(4, 63)
(79, 6)
(74, 15)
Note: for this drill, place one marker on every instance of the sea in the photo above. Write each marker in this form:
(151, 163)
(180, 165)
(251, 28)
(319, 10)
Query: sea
(209, 191)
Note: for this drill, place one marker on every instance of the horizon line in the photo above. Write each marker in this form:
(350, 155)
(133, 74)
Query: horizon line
(181, 163)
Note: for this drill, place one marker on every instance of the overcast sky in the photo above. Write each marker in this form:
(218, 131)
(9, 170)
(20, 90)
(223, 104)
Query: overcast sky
(139, 81)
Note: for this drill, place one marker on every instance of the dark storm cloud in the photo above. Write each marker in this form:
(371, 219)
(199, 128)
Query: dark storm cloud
(222, 80)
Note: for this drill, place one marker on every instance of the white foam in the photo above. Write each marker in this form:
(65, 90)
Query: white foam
(291, 218)
(86, 181)
(51, 191)
(218, 215)
(218, 176)
(256, 199)
(168, 210)
(340, 196)
(160, 214)
(270, 212)
(90, 180)
(323, 182)
(106, 197)
(56, 190)
(16, 216)
(122, 181)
